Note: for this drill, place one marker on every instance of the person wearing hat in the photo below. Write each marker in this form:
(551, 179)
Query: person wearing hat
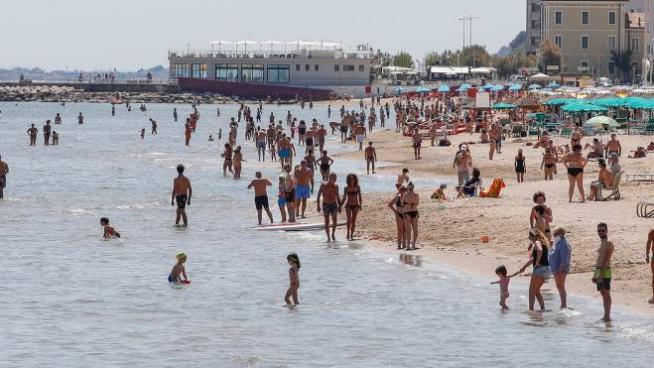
(614, 162)
(559, 259)
(178, 270)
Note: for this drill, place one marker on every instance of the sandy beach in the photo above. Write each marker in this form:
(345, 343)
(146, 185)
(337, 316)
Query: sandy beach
(451, 231)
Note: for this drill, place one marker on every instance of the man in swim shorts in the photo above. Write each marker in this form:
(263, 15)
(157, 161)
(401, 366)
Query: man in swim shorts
(261, 144)
(32, 132)
(302, 188)
(182, 192)
(289, 192)
(261, 195)
(371, 157)
(602, 273)
(4, 169)
(47, 129)
(330, 206)
(360, 133)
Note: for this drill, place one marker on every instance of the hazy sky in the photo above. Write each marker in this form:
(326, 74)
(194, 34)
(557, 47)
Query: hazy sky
(130, 34)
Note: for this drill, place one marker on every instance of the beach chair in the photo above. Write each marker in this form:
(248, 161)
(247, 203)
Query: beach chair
(645, 210)
(640, 178)
(565, 132)
(614, 189)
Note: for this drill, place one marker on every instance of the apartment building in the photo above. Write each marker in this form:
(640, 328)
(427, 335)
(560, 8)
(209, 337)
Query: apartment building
(586, 31)
(534, 26)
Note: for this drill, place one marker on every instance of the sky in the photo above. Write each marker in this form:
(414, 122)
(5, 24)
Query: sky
(132, 34)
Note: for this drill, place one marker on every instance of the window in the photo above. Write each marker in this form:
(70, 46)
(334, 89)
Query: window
(584, 42)
(611, 67)
(611, 17)
(307, 67)
(534, 7)
(634, 44)
(297, 67)
(182, 71)
(199, 71)
(227, 72)
(348, 68)
(252, 73)
(362, 68)
(316, 68)
(279, 73)
(558, 17)
(336, 67)
(584, 17)
(558, 40)
(611, 42)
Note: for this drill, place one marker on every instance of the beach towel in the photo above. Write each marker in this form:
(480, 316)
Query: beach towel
(494, 190)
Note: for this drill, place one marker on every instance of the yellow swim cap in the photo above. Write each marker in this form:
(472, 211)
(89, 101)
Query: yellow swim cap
(180, 255)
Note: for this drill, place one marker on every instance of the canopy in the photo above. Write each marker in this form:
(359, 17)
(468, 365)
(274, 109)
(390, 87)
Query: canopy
(599, 121)
(443, 88)
(504, 106)
(422, 89)
(538, 116)
(583, 107)
(515, 87)
(610, 101)
(488, 86)
(534, 86)
(559, 101)
(497, 88)
(540, 77)
(553, 85)
(465, 86)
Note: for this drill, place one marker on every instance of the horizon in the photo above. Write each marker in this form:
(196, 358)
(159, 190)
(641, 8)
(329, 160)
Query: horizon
(75, 27)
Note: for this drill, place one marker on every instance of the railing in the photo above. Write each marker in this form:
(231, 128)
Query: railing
(315, 54)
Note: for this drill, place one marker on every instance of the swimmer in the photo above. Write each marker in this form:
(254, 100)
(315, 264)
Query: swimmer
(260, 195)
(227, 162)
(108, 231)
(154, 126)
(210, 138)
(55, 138)
(303, 176)
(293, 273)
(32, 132)
(178, 271)
(80, 119)
(143, 133)
(182, 192)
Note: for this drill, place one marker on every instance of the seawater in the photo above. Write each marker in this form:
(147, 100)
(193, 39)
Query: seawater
(70, 299)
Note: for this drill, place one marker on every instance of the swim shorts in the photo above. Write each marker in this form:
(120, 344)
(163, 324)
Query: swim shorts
(281, 201)
(3, 181)
(359, 138)
(181, 201)
(604, 284)
(329, 208)
(171, 279)
(261, 144)
(284, 153)
(302, 191)
(261, 202)
(290, 196)
(344, 129)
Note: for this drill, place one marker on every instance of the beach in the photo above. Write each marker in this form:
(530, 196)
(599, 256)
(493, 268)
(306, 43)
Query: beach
(451, 231)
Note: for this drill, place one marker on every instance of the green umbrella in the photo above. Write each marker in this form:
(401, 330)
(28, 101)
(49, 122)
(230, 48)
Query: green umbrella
(559, 101)
(504, 106)
(538, 116)
(583, 107)
(599, 121)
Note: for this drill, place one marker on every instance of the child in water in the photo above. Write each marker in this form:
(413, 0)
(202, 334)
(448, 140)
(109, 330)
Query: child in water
(143, 133)
(500, 271)
(109, 232)
(294, 262)
(179, 270)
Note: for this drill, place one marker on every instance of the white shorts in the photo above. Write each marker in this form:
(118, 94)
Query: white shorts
(359, 138)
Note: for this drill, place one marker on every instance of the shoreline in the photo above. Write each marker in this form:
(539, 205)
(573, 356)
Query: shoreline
(458, 221)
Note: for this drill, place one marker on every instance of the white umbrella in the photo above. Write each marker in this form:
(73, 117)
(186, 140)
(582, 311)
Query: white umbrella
(219, 43)
(245, 44)
(540, 77)
(272, 43)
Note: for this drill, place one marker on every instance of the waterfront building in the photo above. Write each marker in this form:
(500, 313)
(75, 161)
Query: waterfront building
(533, 26)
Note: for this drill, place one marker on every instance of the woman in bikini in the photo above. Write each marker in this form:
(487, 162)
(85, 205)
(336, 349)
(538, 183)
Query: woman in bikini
(575, 162)
(548, 165)
(238, 158)
(395, 205)
(353, 202)
(410, 202)
(575, 137)
(325, 163)
(227, 163)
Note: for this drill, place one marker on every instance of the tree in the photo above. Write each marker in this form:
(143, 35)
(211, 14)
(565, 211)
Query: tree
(511, 64)
(550, 54)
(403, 59)
(432, 58)
(474, 55)
(622, 61)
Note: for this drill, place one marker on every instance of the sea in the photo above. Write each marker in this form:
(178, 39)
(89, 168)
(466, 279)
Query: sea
(68, 298)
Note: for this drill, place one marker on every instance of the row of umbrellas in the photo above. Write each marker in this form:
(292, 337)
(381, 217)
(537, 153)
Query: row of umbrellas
(601, 104)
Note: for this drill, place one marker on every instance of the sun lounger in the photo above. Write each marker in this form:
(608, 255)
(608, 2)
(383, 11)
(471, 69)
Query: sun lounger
(614, 189)
(645, 210)
(640, 178)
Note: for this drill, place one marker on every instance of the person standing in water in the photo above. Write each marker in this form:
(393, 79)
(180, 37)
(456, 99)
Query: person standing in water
(261, 195)
(293, 273)
(353, 203)
(227, 162)
(303, 176)
(330, 207)
(179, 271)
(602, 273)
(182, 192)
(238, 158)
(33, 132)
(47, 129)
(108, 231)
(4, 170)
(80, 119)
(175, 114)
(154, 126)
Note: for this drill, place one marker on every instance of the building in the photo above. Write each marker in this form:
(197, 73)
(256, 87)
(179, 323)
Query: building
(305, 65)
(533, 26)
(647, 8)
(587, 32)
(636, 42)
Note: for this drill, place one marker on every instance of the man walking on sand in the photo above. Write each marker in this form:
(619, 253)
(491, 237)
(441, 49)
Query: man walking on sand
(602, 272)
(371, 157)
(182, 192)
(261, 195)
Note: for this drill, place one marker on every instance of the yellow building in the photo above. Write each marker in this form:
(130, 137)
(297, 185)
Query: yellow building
(586, 31)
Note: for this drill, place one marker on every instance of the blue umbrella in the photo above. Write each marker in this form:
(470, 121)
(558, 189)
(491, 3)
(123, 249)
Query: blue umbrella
(443, 88)
(497, 88)
(488, 86)
(534, 86)
(422, 89)
(553, 85)
(465, 86)
(515, 87)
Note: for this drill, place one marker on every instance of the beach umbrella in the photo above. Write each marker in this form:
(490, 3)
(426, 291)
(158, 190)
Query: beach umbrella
(465, 86)
(644, 104)
(422, 89)
(559, 101)
(219, 43)
(600, 121)
(610, 101)
(553, 85)
(515, 87)
(497, 88)
(538, 116)
(444, 88)
(504, 106)
(583, 107)
(533, 87)
(488, 86)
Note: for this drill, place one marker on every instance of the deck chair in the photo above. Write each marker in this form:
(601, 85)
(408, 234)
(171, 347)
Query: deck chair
(566, 132)
(614, 189)
(645, 210)
(640, 178)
